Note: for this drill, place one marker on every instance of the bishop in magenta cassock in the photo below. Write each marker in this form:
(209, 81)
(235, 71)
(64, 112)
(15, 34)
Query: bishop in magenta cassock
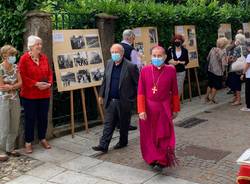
(158, 104)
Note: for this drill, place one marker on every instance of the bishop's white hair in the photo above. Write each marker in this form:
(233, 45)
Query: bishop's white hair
(32, 40)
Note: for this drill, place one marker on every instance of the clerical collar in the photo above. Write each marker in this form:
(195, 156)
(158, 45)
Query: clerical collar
(159, 68)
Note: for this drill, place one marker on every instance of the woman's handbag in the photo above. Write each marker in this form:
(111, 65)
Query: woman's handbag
(239, 64)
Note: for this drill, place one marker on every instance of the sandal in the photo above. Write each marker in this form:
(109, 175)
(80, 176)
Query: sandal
(28, 148)
(3, 158)
(236, 103)
(214, 101)
(13, 153)
(207, 99)
(45, 144)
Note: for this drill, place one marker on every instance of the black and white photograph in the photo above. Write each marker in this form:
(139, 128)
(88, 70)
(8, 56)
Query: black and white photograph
(68, 78)
(139, 47)
(97, 74)
(191, 42)
(64, 61)
(193, 55)
(153, 35)
(94, 57)
(80, 59)
(77, 42)
(83, 76)
(190, 34)
(93, 41)
(247, 34)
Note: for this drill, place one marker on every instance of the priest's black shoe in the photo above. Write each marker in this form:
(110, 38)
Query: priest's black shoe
(119, 146)
(131, 128)
(99, 148)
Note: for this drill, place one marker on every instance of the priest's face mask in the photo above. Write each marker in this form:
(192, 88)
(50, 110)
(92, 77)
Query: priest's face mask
(117, 52)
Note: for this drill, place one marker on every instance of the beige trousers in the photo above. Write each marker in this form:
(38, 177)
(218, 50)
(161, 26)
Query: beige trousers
(180, 81)
(9, 123)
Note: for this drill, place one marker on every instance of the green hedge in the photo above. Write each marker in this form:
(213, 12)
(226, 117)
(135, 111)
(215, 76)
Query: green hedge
(206, 17)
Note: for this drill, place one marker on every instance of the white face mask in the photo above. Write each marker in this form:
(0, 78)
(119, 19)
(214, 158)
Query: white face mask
(12, 59)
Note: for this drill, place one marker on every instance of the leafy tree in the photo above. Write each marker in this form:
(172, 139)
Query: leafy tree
(13, 18)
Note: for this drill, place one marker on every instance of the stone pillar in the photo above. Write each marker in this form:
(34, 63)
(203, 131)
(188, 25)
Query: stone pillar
(40, 24)
(106, 25)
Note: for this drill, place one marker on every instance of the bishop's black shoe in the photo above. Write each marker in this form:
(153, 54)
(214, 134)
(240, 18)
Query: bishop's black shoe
(158, 167)
(99, 148)
(119, 146)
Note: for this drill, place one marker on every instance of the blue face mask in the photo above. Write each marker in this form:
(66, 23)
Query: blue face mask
(115, 57)
(157, 61)
(12, 59)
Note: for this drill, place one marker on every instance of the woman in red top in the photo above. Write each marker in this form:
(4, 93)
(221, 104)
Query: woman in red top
(35, 91)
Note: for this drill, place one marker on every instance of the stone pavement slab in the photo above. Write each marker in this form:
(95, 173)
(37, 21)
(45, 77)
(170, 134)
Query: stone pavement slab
(69, 146)
(26, 179)
(161, 179)
(81, 163)
(70, 177)
(46, 171)
(54, 155)
(120, 173)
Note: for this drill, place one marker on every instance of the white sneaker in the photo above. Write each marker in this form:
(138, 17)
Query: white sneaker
(245, 109)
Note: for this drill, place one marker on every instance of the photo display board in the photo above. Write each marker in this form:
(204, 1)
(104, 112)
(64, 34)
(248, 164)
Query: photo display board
(78, 60)
(246, 29)
(225, 30)
(145, 39)
(189, 34)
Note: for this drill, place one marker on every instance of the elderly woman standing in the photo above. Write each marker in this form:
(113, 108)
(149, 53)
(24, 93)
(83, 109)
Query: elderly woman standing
(177, 55)
(35, 92)
(216, 67)
(234, 81)
(10, 82)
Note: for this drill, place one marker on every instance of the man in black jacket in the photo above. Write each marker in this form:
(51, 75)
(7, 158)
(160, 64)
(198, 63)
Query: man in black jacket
(117, 93)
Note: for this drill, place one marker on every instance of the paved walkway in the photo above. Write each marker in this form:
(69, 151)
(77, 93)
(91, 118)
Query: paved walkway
(72, 161)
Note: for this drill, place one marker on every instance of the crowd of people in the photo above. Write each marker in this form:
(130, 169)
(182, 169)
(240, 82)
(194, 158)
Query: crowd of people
(229, 61)
(157, 88)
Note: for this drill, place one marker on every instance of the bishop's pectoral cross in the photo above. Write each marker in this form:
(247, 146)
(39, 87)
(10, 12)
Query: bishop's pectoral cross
(154, 89)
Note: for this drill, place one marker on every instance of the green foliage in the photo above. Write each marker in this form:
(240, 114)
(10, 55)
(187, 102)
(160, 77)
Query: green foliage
(205, 14)
(13, 18)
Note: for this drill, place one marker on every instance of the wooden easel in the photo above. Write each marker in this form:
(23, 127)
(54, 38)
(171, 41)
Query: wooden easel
(189, 83)
(85, 123)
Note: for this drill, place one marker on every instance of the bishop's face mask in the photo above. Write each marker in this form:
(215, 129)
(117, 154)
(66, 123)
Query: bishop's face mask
(157, 61)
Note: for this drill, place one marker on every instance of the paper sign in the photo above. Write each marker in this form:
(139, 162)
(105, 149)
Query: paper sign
(137, 32)
(58, 37)
(180, 30)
